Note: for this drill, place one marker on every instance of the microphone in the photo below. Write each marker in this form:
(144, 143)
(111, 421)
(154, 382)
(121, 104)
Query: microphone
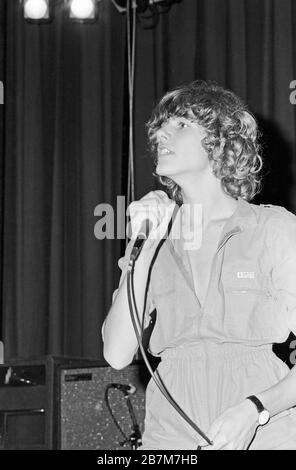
(127, 389)
(142, 236)
(143, 233)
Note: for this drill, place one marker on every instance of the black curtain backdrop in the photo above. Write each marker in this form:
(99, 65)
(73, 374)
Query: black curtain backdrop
(2, 76)
(248, 46)
(63, 139)
(64, 131)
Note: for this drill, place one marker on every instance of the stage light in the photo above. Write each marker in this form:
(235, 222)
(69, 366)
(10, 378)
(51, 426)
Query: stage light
(83, 9)
(36, 10)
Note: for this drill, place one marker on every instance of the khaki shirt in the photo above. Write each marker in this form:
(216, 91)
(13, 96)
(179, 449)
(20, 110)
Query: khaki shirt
(251, 297)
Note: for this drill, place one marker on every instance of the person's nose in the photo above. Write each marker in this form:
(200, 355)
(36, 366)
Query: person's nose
(163, 134)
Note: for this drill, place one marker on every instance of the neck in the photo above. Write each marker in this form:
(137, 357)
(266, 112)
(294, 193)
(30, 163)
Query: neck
(207, 192)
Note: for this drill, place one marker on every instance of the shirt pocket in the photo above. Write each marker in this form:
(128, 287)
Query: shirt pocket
(248, 304)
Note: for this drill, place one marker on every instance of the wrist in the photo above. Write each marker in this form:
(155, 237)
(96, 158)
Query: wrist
(251, 411)
(262, 414)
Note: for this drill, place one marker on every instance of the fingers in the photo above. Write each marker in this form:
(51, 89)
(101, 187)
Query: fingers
(156, 207)
(223, 439)
(232, 430)
(218, 446)
(161, 194)
(202, 442)
(214, 436)
(214, 430)
(153, 201)
(160, 230)
(139, 212)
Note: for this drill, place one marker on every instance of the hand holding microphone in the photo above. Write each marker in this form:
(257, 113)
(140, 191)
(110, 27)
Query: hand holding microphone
(150, 217)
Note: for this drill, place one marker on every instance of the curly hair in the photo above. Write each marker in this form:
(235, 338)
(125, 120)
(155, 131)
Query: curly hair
(231, 140)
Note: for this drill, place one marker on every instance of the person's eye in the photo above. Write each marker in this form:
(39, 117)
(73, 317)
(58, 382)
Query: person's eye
(183, 124)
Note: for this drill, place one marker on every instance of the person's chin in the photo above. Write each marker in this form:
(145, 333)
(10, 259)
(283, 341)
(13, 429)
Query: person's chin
(161, 170)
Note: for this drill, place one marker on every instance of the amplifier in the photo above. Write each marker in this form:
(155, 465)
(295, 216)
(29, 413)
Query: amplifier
(55, 402)
(96, 409)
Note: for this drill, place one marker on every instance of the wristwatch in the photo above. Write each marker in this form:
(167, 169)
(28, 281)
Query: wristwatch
(263, 413)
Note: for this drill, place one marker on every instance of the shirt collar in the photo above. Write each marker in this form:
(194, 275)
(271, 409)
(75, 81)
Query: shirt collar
(244, 216)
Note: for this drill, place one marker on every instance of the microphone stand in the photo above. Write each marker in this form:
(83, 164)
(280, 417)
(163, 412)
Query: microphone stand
(135, 438)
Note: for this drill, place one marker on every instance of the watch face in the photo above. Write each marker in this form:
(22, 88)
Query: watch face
(263, 417)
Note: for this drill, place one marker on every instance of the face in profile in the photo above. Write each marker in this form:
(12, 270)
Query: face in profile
(179, 148)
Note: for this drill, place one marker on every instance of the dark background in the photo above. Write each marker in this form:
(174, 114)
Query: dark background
(63, 144)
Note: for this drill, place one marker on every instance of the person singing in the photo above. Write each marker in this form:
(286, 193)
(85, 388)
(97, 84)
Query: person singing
(222, 297)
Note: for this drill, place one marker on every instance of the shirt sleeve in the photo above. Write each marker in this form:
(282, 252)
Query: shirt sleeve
(284, 268)
(123, 265)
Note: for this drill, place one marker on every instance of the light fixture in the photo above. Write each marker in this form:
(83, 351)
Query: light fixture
(37, 10)
(83, 10)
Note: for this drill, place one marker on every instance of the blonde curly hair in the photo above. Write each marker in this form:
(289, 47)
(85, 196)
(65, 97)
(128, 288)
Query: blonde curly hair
(231, 141)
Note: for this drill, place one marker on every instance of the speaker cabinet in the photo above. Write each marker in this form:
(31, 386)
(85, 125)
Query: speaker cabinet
(96, 410)
(71, 403)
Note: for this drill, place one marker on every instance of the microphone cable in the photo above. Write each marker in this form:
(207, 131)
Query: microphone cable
(136, 436)
(139, 331)
(113, 416)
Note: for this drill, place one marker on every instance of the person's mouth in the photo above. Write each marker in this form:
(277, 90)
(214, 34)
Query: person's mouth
(162, 151)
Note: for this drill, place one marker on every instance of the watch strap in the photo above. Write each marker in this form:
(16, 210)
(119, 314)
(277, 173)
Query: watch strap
(257, 403)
